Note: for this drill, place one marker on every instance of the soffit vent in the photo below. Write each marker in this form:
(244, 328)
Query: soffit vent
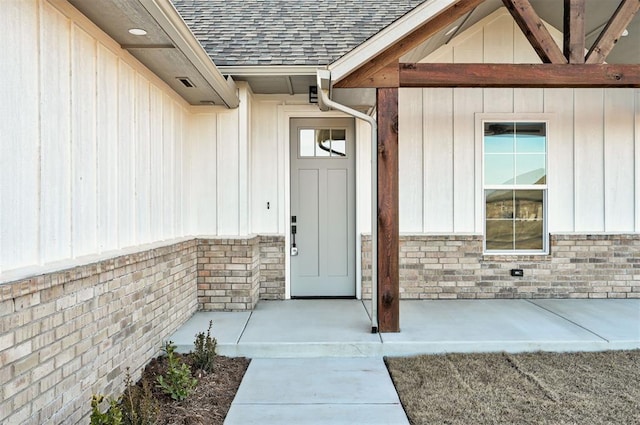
(187, 82)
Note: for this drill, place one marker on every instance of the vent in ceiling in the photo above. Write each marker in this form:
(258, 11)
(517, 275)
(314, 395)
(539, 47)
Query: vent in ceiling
(187, 82)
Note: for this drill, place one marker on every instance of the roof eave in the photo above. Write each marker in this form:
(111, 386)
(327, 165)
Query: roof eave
(172, 23)
(383, 39)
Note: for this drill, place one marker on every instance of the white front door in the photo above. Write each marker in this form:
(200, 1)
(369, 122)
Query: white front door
(322, 208)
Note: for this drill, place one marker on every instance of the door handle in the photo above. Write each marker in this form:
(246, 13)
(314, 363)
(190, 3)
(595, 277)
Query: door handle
(294, 230)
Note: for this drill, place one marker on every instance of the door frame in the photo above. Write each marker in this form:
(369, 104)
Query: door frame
(285, 114)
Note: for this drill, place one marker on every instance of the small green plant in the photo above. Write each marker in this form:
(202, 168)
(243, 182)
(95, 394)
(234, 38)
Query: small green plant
(138, 405)
(205, 350)
(113, 416)
(178, 381)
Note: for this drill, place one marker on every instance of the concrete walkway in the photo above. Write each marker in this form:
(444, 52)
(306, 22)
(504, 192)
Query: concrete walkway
(316, 391)
(316, 361)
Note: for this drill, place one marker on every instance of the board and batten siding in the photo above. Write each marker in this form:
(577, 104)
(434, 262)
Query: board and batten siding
(218, 170)
(593, 149)
(92, 142)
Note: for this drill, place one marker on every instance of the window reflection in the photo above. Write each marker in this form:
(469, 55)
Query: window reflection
(322, 143)
(515, 157)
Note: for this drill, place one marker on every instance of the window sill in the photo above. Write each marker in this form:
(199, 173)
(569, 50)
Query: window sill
(510, 257)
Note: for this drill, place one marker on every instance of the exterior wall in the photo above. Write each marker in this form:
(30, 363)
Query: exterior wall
(594, 140)
(234, 273)
(217, 169)
(228, 273)
(68, 334)
(272, 268)
(92, 141)
(453, 267)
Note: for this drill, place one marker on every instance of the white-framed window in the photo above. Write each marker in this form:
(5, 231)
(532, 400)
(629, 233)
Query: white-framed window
(515, 186)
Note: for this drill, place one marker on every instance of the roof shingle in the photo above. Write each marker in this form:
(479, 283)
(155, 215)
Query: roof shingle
(286, 32)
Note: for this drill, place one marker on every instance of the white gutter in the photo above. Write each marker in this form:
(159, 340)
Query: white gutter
(268, 70)
(171, 22)
(325, 103)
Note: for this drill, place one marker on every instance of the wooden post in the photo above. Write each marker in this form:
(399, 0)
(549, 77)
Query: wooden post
(388, 212)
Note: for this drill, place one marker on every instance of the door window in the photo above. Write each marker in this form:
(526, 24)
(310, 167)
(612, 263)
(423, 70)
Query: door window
(322, 143)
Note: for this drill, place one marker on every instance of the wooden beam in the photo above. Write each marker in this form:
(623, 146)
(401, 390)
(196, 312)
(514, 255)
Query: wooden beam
(535, 31)
(386, 77)
(574, 32)
(613, 31)
(519, 75)
(393, 52)
(388, 212)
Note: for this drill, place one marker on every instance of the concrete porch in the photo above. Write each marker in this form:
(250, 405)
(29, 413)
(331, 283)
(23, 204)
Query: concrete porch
(341, 328)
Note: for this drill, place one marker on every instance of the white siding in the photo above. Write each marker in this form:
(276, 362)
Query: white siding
(55, 137)
(126, 156)
(228, 173)
(560, 159)
(83, 143)
(410, 160)
(91, 141)
(244, 158)
(589, 160)
(592, 152)
(19, 159)
(107, 149)
(200, 159)
(465, 191)
(265, 164)
(143, 162)
(619, 162)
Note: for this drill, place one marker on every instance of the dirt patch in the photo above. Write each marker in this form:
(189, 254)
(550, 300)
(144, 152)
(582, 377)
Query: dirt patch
(530, 388)
(210, 401)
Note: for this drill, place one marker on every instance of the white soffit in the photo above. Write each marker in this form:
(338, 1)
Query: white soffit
(169, 49)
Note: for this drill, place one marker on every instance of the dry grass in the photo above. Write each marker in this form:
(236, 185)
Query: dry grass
(531, 388)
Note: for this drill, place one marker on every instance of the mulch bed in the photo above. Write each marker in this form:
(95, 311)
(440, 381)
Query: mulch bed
(529, 388)
(210, 401)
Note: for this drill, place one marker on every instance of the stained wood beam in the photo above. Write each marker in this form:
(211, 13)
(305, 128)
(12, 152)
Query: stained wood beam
(574, 31)
(535, 31)
(388, 212)
(386, 77)
(408, 43)
(519, 75)
(613, 31)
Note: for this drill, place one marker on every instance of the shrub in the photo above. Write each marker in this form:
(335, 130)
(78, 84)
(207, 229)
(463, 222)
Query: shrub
(178, 381)
(138, 405)
(205, 350)
(113, 416)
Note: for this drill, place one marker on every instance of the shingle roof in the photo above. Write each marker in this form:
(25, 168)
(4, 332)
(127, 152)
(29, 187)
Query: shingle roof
(286, 32)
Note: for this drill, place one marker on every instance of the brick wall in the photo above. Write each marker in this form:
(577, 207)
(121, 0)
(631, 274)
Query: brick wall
(234, 273)
(453, 267)
(228, 273)
(272, 271)
(69, 334)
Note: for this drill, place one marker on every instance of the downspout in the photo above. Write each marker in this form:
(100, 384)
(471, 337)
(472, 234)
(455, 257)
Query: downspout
(324, 83)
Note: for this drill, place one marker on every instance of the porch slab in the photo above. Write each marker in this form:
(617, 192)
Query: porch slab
(309, 328)
(431, 327)
(616, 321)
(317, 391)
(342, 328)
(227, 329)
